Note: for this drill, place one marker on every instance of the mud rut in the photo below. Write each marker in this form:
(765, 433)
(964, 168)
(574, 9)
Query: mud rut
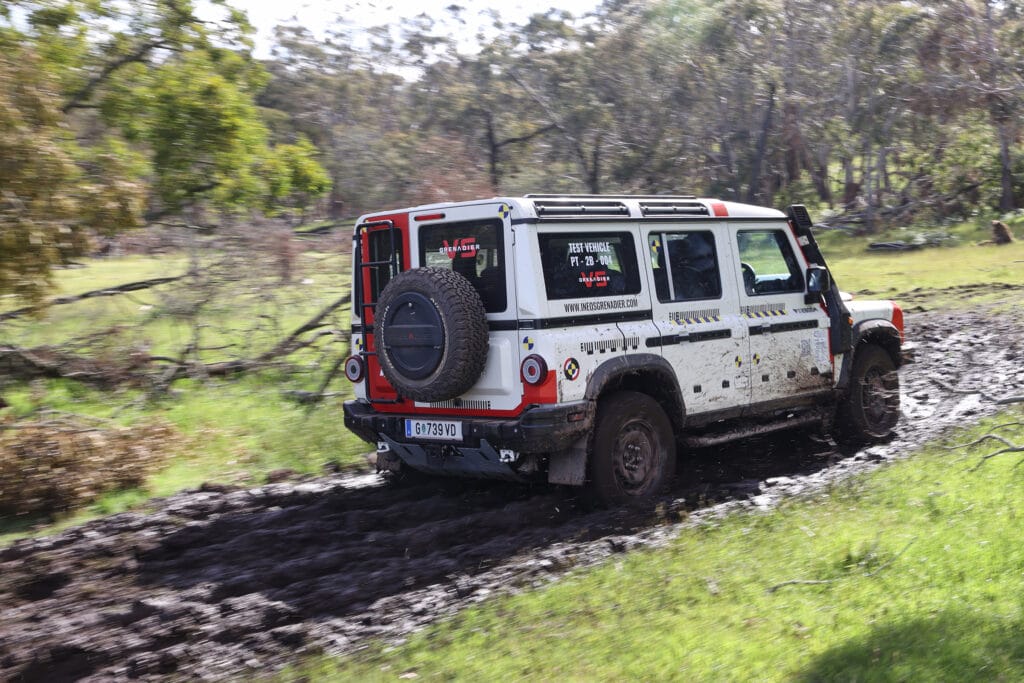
(212, 583)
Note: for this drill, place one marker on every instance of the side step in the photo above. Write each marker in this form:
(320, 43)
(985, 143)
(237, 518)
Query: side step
(719, 438)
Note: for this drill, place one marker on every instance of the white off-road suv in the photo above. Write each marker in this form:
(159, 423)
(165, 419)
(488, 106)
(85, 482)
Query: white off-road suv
(589, 340)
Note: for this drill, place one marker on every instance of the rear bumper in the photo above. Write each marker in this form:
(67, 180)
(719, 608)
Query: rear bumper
(541, 429)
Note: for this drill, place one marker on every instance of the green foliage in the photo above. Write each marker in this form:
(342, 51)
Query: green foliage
(106, 102)
(205, 134)
(40, 194)
(294, 176)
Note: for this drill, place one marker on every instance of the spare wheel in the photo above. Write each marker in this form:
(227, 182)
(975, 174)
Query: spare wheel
(432, 334)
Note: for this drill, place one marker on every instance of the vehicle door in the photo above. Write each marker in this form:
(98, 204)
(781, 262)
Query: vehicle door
(700, 329)
(594, 301)
(789, 352)
(476, 241)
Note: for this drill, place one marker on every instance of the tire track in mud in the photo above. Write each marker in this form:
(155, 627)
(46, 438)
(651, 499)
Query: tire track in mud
(209, 584)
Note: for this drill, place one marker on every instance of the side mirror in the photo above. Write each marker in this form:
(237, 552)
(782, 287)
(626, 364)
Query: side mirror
(819, 281)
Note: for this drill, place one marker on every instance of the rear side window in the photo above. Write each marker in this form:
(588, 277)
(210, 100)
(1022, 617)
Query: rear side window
(768, 263)
(475, 250)
(685, 266)
(581, 265)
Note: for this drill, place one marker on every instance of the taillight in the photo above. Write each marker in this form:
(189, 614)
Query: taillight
(534, 369)
(354, 368)
(897, 319)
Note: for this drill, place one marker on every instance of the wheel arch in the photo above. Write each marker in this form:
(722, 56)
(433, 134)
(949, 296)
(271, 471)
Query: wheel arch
(645, 373)
(881, 333)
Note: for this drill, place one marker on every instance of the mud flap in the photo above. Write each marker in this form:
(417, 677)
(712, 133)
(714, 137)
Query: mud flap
(569, 466)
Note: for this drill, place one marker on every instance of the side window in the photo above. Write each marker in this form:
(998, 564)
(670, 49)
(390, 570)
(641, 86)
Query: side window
(589, 265)
(685, 266)
(768, 263)
(475, 250)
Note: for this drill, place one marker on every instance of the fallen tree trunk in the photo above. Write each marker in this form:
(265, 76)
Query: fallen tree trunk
(52, 362)
(106, 291)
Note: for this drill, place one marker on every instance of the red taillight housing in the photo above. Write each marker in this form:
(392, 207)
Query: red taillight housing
(354, 368)
(897, 319)
(533, 370)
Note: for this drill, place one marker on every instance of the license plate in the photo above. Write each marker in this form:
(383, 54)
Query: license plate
(437, 430)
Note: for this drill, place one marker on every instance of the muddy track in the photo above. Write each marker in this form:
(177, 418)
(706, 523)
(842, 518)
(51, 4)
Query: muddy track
(209, 584)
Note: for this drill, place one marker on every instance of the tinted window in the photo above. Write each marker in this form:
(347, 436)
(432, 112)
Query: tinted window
(685, 266)
(475, 250)
(589, 265)
(768, 263)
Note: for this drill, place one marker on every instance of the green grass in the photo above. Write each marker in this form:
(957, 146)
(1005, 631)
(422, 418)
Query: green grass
(925, 274)
(922, 575)
(247, 310)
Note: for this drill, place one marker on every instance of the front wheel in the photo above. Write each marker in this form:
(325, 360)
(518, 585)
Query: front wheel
(872, 405)
(634, 455)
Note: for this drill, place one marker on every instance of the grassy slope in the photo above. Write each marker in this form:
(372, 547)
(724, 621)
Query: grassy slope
(923, 575)
(901, 275)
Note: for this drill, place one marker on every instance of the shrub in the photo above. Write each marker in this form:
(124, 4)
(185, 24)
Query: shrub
(59, 465)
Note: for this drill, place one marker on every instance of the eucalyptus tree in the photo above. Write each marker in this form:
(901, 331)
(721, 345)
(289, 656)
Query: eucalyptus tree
(135, 110)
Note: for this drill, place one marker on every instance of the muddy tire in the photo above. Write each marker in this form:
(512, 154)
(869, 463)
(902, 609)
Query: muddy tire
(634, 451)
(871, 408)
(432, 334)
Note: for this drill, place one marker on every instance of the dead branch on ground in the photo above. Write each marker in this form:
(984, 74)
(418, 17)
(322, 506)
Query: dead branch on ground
(106, 291)
(867, 575)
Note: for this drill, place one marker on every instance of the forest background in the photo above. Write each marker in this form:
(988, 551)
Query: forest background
(120, 115)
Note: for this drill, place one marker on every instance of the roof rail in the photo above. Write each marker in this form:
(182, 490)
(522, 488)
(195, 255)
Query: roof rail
(673, 208)
(610, 196)
(579, 206)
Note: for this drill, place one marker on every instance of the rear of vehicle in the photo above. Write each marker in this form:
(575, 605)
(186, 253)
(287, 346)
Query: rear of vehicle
(444, 381)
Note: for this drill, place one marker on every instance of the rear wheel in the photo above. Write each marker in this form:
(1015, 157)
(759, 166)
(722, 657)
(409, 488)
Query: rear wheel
(634, 455)
(872, 406)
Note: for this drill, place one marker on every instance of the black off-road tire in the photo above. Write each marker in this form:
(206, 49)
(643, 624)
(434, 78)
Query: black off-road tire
(871, 408)
(432, 335)
(634, 451)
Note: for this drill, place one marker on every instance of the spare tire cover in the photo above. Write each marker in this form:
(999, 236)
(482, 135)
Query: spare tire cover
(432, 336)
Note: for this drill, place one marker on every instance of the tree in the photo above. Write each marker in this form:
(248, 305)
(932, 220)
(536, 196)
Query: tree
(110, 107)
(47, 201)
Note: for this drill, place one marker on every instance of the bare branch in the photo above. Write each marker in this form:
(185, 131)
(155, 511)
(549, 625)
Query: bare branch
(140, 53)
(868, 575)
(106, 291)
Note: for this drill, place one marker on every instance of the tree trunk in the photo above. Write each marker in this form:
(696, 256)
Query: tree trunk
(753, 190)
(1007, 202)
(594, 170)
(493, 149)
(819, 176)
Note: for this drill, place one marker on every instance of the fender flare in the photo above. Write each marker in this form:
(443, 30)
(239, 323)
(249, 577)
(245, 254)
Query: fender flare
(880, 332)
(613, 371)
